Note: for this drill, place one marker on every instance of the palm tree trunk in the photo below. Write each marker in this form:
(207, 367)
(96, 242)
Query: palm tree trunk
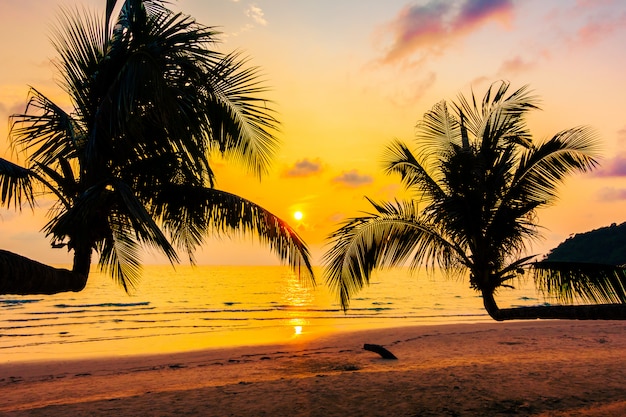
(82, 260)
(564, 312)
(23, 276)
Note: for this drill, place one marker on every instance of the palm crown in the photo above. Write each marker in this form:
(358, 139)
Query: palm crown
(130, 164)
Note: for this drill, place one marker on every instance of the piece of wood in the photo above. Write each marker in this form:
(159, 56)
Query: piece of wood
(384, 353)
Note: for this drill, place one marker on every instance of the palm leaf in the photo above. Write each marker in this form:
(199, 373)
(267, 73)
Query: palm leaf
(193, 213)
(50, 135)
(399, 159)
(571, 281)
(15, 184)
(119, 253)
(143, 224)
(242, 124)
(542, 169)
(386, 238)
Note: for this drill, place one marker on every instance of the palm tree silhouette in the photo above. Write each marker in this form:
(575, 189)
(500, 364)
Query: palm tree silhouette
(477, 180)
(129, 165)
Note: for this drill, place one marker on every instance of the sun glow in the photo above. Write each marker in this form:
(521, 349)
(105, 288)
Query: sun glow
(298, 215)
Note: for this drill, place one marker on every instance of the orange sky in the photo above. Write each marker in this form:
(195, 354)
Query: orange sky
(348, 76)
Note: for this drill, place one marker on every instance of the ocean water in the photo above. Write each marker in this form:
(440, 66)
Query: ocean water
(189, 308)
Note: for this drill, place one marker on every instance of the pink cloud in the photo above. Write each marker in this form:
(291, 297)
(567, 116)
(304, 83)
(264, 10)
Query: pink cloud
(588, 21)
(353, 179)
(429, 28)
(596, 30)
(515, 66)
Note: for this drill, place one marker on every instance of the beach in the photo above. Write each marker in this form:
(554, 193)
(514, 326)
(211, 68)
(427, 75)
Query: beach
(534, 368)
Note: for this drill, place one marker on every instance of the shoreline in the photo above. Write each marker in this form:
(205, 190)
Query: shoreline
(539, 368)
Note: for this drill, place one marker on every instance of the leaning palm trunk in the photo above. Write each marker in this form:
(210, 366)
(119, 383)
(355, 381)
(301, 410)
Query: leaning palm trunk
(20, 275)
(566, 312)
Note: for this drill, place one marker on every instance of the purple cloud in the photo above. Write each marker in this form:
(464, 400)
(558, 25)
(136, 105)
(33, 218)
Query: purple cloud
(304, 168)
(429, 28)
(615, 167)
(353, 179)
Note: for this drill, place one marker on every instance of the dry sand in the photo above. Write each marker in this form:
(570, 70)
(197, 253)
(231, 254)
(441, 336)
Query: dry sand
(548, 368)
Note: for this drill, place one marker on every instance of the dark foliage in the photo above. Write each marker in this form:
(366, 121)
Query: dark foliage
(606, 245)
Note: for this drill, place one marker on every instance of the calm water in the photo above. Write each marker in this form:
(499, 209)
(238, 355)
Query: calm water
(192, 308)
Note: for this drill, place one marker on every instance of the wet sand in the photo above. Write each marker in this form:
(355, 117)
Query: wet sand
(536, 368)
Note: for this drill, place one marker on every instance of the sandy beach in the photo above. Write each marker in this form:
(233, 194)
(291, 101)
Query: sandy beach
(548, 368)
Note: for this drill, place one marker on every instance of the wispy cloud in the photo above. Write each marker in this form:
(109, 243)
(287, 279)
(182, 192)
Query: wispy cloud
(255, 13)
(353, 179)
(609, 194)
(411, 94)
(587, 22)
(304, 168)
(423, 30)
(621, 136)
(596, 30)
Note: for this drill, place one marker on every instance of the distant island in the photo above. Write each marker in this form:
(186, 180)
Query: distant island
(606, 245)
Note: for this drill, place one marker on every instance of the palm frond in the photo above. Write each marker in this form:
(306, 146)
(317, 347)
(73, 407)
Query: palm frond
(145, 228)
(499, 118)
(197, 212)
(571, 281)
(399, 159)
(85, 224)
(119, 254)
(516, 268)
(242, 124)
(49, 134)
(386, 238)
(63, 183)
(437, 131)
(80, 38)
(15, 185)
(542, 169)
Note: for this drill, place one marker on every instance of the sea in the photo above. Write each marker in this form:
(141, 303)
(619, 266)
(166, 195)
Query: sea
(186, 308)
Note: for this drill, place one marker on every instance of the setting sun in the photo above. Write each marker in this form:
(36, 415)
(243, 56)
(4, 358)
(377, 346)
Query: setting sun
(298, 215)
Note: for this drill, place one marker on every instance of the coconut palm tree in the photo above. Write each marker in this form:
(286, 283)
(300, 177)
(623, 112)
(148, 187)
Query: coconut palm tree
(478, 180)
(129, 165)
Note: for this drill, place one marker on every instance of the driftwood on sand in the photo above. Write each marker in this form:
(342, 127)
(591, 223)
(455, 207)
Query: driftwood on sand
(384, 353)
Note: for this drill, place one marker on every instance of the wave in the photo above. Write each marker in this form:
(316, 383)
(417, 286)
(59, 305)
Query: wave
(141, 303)
(17, 302)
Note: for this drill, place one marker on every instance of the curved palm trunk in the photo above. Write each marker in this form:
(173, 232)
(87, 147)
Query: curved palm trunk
(565, 312)
(24, 276)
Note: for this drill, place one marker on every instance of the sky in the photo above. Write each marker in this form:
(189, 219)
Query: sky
(347, 77)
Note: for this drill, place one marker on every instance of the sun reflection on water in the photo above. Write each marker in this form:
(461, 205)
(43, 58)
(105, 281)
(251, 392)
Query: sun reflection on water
(298, 298)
